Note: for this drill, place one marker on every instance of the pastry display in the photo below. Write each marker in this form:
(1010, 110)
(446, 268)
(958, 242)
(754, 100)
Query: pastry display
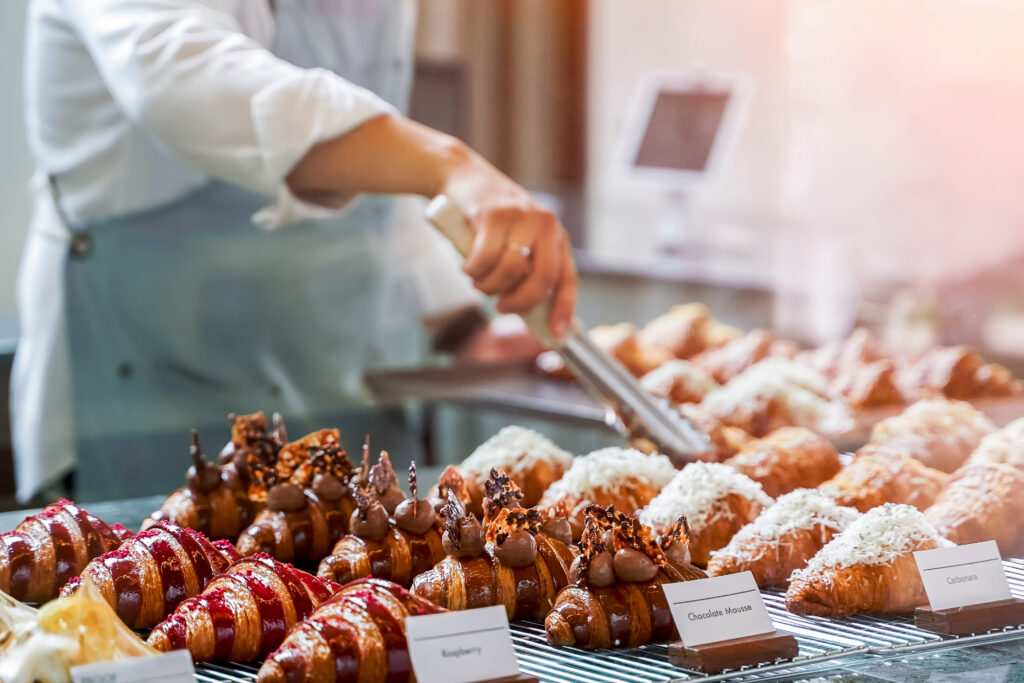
(939, 432)
(356, 636)
(306, 507)
(783, 538)
(787, 459)
(514, 563)
(871, 385)
(715, 499)
(49, 548)
(243, 613)
(531, 460)
(869, 567)
(726, 440)
(680, 381)
(682, 331)
(833, 358)
(777, 392)
(616, 597)
(880, 475)
(982, 502)
(623, 477)
(395, 548)
(957, 372)
(728, 361)
(1002, 446)
(146, 578)
(620, 341)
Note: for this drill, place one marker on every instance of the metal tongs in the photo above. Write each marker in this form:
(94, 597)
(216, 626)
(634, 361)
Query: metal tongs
(635, 412)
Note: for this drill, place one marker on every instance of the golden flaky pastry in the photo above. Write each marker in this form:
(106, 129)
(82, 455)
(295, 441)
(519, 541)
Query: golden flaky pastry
(787, 459)
(879, 475)
(983, 502)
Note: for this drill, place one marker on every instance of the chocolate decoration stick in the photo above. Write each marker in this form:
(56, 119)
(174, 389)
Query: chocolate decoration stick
(366, 459)
(412, 485)
(280, 433)
(196, 452)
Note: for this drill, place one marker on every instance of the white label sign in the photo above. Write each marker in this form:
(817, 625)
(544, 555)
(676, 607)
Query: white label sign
(172, 667)
(461, 647)
(719, 608)
(964, 575)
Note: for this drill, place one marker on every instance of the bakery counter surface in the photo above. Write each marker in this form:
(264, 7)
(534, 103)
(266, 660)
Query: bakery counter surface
(858, 648)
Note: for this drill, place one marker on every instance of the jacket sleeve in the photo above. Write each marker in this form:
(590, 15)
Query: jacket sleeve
(186, 71)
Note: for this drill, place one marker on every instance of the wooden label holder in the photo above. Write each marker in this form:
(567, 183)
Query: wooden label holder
(733, 654)
(958, 621)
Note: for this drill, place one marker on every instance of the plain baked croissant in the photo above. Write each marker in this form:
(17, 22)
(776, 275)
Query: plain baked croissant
(396, 549)
(152, 573)
(49, 548)
(356, 636)
(982, 502)
(787, 459)
(616, 598)
(515, 565)
(243, 613)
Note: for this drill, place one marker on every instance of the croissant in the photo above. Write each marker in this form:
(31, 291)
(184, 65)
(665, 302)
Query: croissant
(49, 548)
(357, 635)
(617, 599)
(787, 459)
(1003, 446)
(396, 549)
(880, 475)
(531, 460)
(726, 362)
(783, 538)
(681, 331)
(859, 349)
(958, 372)
(520, 568)
(243, 613)
(869, 567)
(150, 574)
(869, 385)
(939, 432)
(680, 381)
(983, 502)
(716, 500)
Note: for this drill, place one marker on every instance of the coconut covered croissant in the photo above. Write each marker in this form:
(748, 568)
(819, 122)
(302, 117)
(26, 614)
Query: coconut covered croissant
(869, 567)
(616, 597)
(215, 500)
(957, 372)
(244, 613)
(530, 459)
(306, 512)
(939, 432)
(515, 563)
(1004, 446)
(395, 548)
(783, 538)
(787, 459)
(152, 573)
(356, 636)
(983, 502)
(880, 475)
(50, 547)
(716, 500)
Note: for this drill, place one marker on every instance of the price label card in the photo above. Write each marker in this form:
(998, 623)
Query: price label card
(718, 608)
(461, 647)
(172, 667)
(961, 576)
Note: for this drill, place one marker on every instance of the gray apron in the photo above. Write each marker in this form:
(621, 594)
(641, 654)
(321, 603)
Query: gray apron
(183, 313)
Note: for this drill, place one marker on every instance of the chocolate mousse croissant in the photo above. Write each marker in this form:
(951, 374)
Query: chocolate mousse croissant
(306, 513)
(396, 548)
(515, 563)
(616, 598)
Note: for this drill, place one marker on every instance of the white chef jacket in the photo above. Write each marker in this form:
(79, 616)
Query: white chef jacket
(121, 129)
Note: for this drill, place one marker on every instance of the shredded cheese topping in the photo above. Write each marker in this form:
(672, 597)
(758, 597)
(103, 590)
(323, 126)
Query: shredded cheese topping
(803, 509)
(607, 468)
(695, 379)
(515, 448)
(880, 536)
(802, 391)
(1006, 446)
(700, 491)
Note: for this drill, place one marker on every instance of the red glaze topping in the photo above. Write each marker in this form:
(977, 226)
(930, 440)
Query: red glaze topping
(226, 548)
(99, 538)
(172, 576)
(343, 639)
(127, 589)
(200, 552)
(223, 620)
(22, 561)
(393, 635)
(65, 563)
(273, 625)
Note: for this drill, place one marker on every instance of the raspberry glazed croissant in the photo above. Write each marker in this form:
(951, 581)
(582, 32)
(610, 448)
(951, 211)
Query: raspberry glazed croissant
(306, 513)
(152, 573)
(243, 613)
(787, 459)
(356, 636)
(783, 538)
(983, 502)
(532, 461)
(49, 548)
(716, 500)
(393, 548)
(515, 565)
(880, 475)
(869, 567)
(616, 597)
